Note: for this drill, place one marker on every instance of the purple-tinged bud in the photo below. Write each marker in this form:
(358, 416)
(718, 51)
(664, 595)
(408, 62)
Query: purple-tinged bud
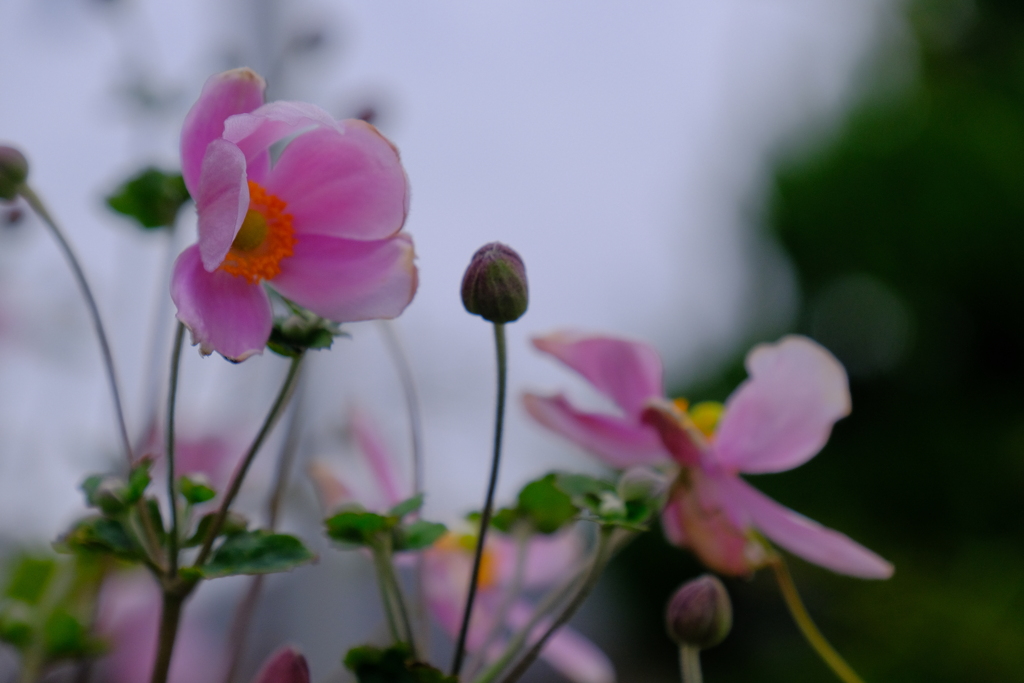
(700, 613)
(13, 172)
(494, 286)
(284, 666)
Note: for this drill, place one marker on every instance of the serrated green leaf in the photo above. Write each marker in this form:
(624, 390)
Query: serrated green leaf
(256, 552)
(418, 535)
(546, 506)
(153, 198)
(358, 527)
(391, 665)
(301, 331)
(100, 534)
(138, 481)
(406, 506)
(29, 579)
(195, 489)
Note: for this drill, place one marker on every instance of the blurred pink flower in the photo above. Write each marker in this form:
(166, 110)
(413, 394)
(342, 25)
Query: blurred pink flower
(448, 564)
(284, 666)
(777, 419)
(322, 223)
(129, 618)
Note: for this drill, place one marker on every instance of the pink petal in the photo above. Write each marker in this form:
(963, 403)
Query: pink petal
(284, 666)
(802, 536)
(628, 372)
(349, 280)
(345, 184)
(783, 414)
(330, 489)
(222, 202)
(548, 558)
(678, 435)
(255, 132)
(225, 313)
(567, 651)
(377, 454)
(232, 92)
(620, 443)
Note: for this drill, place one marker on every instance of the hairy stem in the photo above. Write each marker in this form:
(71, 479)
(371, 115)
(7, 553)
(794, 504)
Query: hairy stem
(83, 284)
(806, 624)
(485, 519)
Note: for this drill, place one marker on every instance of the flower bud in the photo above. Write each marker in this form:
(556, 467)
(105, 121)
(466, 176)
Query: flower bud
(494, 286)
(13, 172)
(284, 666)
(700, 613)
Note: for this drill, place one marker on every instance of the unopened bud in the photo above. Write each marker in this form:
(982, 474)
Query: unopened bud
(494, 286)
(642, 483)
(700, 613)
(13, 172)
(284, 666)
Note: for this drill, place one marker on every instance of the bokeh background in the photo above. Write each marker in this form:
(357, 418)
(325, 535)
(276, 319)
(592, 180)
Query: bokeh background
(705, 175)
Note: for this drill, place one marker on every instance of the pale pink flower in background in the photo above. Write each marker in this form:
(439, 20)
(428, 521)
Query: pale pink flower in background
(284, 666)
(777, 419)
(447, 566)
(321, 224)
(129, 618)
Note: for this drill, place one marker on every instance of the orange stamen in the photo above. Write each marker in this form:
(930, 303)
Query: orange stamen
(265, 238)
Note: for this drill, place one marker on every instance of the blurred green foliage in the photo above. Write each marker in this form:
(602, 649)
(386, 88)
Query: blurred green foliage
(906, 231)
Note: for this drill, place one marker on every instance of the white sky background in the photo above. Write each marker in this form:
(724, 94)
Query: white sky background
(622, 148)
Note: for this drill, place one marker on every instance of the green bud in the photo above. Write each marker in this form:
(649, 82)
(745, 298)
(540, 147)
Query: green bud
(13, 172)
(642, 483)
(494, 286)
(700, 613)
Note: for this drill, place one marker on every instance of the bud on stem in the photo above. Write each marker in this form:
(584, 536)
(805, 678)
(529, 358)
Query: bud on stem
(494, 286)
(699, 615)
(13, 172)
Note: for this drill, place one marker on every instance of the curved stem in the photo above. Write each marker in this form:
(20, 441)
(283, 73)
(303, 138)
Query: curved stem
(172, 489)
(485, 519)
(243, 467)
(412, 403)
(76, 268)
(806, 624)
(689, 664)
(602, 555)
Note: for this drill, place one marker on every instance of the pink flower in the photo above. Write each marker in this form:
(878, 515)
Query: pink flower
(284, 666)
(777, 419)
(448, 564)
(321, 223)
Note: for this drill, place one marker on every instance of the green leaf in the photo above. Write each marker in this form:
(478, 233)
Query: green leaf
(418, 535)
(138, 481)
(504, 519)
(104, 535)
(29, 579)
(196, 489)
(357, 526)
(546, 505)
(392, 665)
(406, 506)
(17, 632)
(152, 198)
(257, 552)
(65, 636)
(303, 330)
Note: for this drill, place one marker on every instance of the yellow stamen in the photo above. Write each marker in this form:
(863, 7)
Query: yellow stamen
(705, 416)
(265, 238)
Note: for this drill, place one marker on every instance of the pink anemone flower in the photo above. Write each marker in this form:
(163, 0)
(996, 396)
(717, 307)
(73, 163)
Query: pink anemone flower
(321, 223)
(777, 419)
(447, 566)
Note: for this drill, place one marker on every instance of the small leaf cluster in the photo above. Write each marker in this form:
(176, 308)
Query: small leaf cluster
(395, 664)
(354, 526)
(46, 607)
(547, 504)
(301, 330)
(152, 198)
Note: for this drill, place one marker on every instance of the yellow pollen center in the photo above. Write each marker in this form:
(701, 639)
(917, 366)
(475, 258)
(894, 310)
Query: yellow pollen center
(265, 238)
(706, 415)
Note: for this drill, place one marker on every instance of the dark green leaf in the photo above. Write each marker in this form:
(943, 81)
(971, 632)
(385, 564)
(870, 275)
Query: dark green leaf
(100, 534)
(358, 527)
(29, 578)
(406, 506)
(392, 665)
(418, 535)
(152, 198)
(301, 331)
(504, 519)
(257, 552)
(156, 520)
(545, 505)
(138, 480)
(17, 632)
(196, 489)
(65, 636)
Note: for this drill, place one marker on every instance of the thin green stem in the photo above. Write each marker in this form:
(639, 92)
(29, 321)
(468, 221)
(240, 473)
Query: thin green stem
(396, 591)
(806, 624)
(602, 555)
(243, 467)
(412, 403)
(485, 519)
(170, 616)
(83, 284)
(380, 561)
(689, 664)
(172, 489)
